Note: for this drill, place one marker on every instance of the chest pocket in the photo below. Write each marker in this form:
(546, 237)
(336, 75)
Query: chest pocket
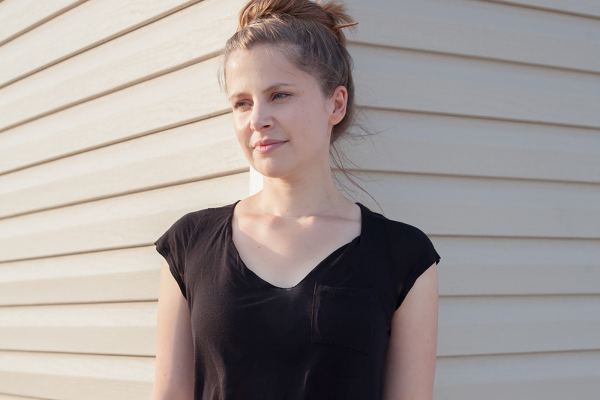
(343, 316)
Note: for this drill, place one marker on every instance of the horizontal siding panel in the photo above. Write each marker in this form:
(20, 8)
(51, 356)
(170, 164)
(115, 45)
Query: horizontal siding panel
(438, 205)
(459, 206)
(113, 328)
(19, 16)
(589, 8)
(415, 81)
(412, 143)
(409, 143)
(481, 29)
(83, 27)
(109, 119)
(548, 376)
(190, 152)
(479, 266)
(118, 222)
(518, 324)
(75, 377)
(9, 397)
(441, 144)
(468, 326)
(171, 100)
(177, 40)
(470, 267)
(115, 275)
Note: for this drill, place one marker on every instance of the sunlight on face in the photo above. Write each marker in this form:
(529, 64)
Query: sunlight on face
(281, 118)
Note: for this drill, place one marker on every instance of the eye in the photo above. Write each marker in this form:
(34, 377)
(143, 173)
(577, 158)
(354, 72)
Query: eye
(240, 104)
(277, 96)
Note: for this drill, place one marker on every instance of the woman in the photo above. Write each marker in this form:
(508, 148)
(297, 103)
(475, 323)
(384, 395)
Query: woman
(295, 292)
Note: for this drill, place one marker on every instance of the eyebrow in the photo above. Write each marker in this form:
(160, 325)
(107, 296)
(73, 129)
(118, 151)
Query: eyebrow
(269, 89)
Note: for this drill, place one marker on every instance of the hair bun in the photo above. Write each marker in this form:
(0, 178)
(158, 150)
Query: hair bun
(330, 14)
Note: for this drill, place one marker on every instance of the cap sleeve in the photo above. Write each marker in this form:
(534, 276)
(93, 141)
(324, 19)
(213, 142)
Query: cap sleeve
(172, 245)
(422, 256)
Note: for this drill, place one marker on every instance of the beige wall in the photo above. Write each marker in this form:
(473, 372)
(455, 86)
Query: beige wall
(112, 126)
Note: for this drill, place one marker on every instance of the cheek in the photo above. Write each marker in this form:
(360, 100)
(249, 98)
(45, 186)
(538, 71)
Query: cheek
(240, 124)
(309, 112)
(238, 120)
(314, 120)
(243, 136)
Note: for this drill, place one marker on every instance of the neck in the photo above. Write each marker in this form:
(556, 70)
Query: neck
(311, 193)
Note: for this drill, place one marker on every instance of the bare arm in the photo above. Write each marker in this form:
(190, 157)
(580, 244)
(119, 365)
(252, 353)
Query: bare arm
(411, 354)
(174, 374)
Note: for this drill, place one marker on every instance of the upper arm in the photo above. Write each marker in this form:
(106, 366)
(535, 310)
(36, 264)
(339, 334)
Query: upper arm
(174, 373)
(411, 354)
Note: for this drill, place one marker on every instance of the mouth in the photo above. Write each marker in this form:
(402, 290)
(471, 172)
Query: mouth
(268, 146)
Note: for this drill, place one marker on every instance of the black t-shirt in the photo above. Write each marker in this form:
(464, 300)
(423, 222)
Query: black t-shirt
(325, 338)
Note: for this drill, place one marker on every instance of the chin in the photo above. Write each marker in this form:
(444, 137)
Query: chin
(273, 171)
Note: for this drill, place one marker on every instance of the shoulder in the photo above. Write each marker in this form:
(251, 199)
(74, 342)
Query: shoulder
(398, 230)
(189, 221)
(192, 222)
(401, 238)
(408, 250)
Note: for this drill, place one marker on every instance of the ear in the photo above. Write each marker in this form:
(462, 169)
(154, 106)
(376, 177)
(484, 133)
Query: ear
(339, 99)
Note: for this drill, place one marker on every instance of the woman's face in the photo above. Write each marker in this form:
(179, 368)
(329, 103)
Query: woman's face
(281, 118)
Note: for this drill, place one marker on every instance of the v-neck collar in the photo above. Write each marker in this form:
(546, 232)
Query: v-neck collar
(240, 263)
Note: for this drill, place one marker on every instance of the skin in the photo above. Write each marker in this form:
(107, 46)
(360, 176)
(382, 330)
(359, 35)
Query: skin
(299, 215)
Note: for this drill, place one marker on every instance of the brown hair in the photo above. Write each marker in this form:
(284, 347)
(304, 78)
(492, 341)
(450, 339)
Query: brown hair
(302, 30)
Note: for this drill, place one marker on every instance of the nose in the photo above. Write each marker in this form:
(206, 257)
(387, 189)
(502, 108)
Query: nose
(261, 118)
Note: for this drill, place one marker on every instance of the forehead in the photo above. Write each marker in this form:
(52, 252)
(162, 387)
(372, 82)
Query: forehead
(260, 65)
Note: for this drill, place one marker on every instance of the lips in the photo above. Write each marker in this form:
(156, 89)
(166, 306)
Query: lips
(267, 145)
(267, 142)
